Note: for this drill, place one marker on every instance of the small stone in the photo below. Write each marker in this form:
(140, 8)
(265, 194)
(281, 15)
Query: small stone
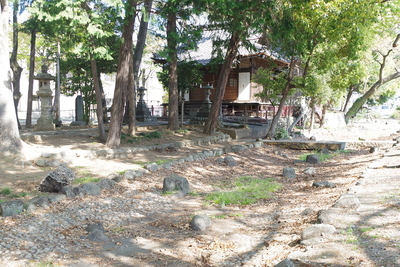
(323, 184)
(309, 170)
(200, 222)
(313, 158)
(289, 172)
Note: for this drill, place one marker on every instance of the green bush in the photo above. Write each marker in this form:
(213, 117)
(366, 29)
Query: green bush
(281, 133)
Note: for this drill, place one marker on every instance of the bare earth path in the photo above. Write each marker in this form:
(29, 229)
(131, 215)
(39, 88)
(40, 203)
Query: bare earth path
(146, 228)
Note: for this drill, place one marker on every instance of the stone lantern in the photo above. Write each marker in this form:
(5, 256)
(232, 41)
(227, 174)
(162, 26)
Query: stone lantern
(143, 112)
(202, 114)
(45, 122)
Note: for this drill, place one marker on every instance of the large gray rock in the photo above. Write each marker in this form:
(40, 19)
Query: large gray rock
(200, 222)
(106, 184)
(91, 189)
(96, 232)
(10, 208)
(57, 179)
(39, 201)
(176, 183)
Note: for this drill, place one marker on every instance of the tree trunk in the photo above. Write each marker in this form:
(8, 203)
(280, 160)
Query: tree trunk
(352, 88)
(137, 59)
(28, 123)
(16, 68)
(312, 117)
(381, 80)
(361, 100)
(285, 94)
(99, 109)
(173, 119)
(212, 120)
(10, 141)
(122, 79)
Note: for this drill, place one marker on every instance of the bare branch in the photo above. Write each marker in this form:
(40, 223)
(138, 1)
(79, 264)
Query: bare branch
(396, 41)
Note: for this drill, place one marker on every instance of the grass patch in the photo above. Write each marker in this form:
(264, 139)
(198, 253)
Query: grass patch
(85, 180)
(323, 157)
(140, 137)
(246, 190)
(7, 192)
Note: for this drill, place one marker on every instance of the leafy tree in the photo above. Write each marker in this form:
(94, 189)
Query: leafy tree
(382, 59)
(181, 33)
(236, 22)
(10, 141)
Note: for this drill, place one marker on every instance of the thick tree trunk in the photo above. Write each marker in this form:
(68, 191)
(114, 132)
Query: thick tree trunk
(212, 120)
(99, 110)
(122, 79)
(173, 119)
(10, 141)
(28, 123)
(16, 68)
(137, 59)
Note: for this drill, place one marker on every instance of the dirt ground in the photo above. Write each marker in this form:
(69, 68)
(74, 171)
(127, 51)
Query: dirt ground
(261, 234)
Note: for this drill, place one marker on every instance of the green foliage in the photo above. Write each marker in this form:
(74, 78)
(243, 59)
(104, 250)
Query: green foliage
(141, 137)
(5, 191)
(190, 74)
(85, 180)
(281, 133)
(246, 190)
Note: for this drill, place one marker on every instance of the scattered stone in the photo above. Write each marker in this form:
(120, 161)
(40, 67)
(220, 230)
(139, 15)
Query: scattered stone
(105, 184)
(289, 172)
(41, 162)
(46, 155)
(313, 234)
(95, 226)
(307, 212)
(347, 201)
(230, 161)
(324, 151)
(57, 179)
(325, 184)
(285, 263)
(115, 177)
(10, 208)
(200, 222)
(237, 148)
(313, 138)
(91, 189)
(373, 149)
(97, 235)
(39, 201)
(56, 198)
(219, 160)
(68, 191)
(313, 158)
(152, 167)
(309, 170)
(326, 217)
(176, 183)
(132, 174)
